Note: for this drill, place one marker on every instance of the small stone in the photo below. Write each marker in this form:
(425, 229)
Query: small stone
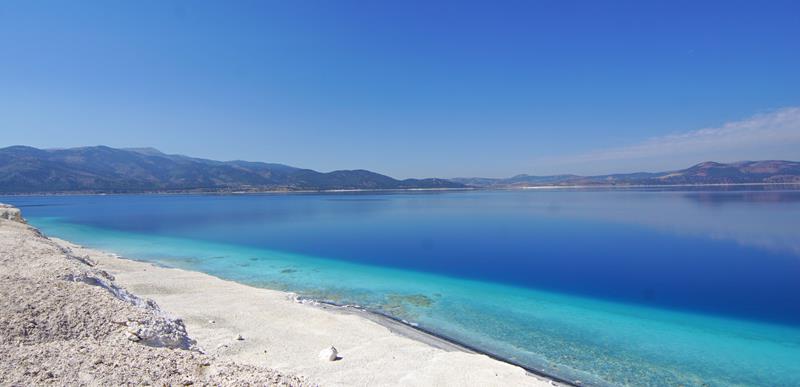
(329, 354)
(239, 337)
(212, 322)
(133, 337)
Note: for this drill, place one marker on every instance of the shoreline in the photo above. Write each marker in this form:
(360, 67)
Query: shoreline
(432, 338)
(66, 322)
(488, 369)
(401, 190)
(232, 193)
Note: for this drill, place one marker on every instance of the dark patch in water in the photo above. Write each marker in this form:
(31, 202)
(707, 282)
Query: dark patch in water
(289, 271)
(419, 300)
(402, 305)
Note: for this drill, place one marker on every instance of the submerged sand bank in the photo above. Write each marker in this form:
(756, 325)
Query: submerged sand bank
(281, 336)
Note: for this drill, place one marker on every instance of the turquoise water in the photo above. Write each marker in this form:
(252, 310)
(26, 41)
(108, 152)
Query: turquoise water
(610, 288)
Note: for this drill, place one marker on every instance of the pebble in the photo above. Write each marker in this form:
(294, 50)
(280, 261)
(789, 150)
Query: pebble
(329, 354)
(239, 337)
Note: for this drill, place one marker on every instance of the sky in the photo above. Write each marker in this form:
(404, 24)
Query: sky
(409, 89)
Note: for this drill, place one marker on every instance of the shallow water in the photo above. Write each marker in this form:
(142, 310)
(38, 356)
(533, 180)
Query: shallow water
(619, 287)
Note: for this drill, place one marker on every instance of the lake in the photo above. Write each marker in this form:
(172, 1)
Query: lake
(611, 287)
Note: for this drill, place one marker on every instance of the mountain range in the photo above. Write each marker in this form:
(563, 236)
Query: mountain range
(742, 172)
(109, 170)
(103, 169)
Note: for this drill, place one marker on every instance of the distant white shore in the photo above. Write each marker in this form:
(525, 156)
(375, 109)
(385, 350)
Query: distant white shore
(652, 186)
(499, 188)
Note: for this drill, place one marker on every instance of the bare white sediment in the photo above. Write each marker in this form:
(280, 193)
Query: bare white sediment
(257, 335)
(65, 321)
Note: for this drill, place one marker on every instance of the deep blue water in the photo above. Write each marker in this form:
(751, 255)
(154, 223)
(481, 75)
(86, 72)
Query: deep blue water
(611, 286)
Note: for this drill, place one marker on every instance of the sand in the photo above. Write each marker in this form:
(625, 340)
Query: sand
(280, 338)
(63, 321)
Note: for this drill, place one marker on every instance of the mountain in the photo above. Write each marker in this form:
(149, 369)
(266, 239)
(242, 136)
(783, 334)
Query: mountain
(743, 172)
(103, 169)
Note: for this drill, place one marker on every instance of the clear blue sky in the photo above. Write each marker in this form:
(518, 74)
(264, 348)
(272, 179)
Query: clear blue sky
(427, 88)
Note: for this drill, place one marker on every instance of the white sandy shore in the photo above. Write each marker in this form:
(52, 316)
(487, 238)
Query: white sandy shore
(282, 337)
(287, 336)
(63, 321)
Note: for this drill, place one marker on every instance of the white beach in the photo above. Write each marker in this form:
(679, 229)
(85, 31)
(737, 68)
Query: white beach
(278, 332)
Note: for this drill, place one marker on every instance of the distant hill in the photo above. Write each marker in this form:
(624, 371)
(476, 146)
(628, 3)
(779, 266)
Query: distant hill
(753, 172)
(102, 169)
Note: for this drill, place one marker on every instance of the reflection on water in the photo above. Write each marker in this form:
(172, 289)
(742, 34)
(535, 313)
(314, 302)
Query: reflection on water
(659, 247)
(762, 219)
(707, 279)
(718, 198)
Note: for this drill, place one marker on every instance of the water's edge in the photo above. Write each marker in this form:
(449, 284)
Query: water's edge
(393, 324)
(411, 331)
(360, 255)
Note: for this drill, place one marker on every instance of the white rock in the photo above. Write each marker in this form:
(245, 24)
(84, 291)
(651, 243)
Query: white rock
(238, 337)
(211, 322)
(329, 354)
(10, 213)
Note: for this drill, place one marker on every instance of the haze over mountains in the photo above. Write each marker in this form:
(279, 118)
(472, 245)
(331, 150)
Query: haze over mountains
(103, 169)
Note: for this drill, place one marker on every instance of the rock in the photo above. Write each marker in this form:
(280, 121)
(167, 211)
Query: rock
(238, 337)
(82, 332)
(212, 322)
(329, 354)
(10, 213)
